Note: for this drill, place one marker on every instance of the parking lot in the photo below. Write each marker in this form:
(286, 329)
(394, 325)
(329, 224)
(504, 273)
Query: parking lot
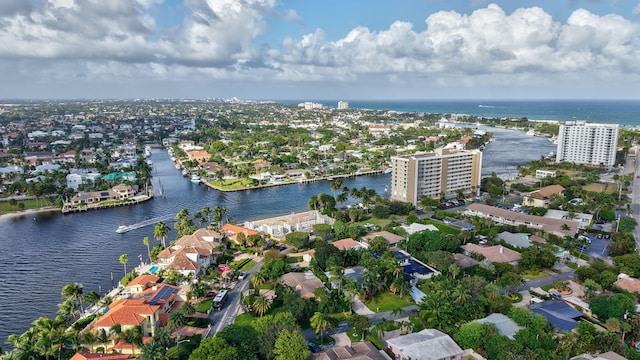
(598, 246)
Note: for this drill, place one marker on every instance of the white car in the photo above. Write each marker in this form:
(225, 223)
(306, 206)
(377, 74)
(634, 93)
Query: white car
(242, 275)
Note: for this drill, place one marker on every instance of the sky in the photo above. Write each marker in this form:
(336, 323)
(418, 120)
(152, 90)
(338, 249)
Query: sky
(320, 49)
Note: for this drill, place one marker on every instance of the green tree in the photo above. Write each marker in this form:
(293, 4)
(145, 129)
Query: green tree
(261, 304)
(360, 323)
(160, 232)
(320, 323)
(145, 240)
(322, 231)
(214, 349)
(133, 336)
(124, 259)
(615, 306)
(291, 346)
(298, 239)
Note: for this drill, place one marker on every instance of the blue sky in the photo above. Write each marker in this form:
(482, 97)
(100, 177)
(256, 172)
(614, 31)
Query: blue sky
(303, 49)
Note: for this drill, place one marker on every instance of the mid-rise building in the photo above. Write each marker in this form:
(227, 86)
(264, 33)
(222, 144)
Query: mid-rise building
(440, 173)
(587, 143)
(343, 105)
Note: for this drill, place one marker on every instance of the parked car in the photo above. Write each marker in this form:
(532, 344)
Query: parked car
(242, 275)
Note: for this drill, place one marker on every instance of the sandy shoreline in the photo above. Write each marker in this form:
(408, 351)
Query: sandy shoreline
(29, 212)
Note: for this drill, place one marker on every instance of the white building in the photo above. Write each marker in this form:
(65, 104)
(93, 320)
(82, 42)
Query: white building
(587, 143)
(442, 172)
(343, 105)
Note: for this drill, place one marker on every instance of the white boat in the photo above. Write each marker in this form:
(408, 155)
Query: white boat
(123, 229)
(195, 179)
(178, 166)
(185, 172)
(531, 133)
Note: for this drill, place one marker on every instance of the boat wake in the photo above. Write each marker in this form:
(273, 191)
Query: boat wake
(124, 228)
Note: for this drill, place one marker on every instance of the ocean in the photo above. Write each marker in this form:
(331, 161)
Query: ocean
(623, 112)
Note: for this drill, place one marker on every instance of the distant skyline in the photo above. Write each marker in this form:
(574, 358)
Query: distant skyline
(316, 50)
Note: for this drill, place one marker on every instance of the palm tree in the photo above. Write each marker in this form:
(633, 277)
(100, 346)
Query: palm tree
(454, 270)
(160, 232)
(261, 304)
(176, 320)
(68, 308)
(145, 240)
(207, 211)
(89, 338)
(116, 331)
(320, 323)
(335, 185)
(132, 336)
(92, 298)
(258, 280)
(124, 259)
(73, 292)
(152, 351)
(102, 337)
(187, 308)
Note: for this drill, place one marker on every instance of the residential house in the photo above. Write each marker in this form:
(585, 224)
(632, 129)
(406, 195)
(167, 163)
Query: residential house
(392, 239)
(200, 156)
(542, 197)
(561, 315)
(140, 310)
(280, 226)
(141, 283)
(496, 253)
(628, 283)
(85, 355)
(187, 261)
(231, 231)
(347, 244)
(416, 228)
(520, 240)
(609, 355)
(302, 284)
(504, 324)
(362, 350)
(125, 191)
(428, 344)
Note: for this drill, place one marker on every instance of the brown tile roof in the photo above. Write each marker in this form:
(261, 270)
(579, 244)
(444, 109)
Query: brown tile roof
(547, 191)
(391, 238)
(236, 229)
(344, 244)
(302, 284)
(85, 355)
(496, 253)
(357, 351)
(144, 280)
(628, 283)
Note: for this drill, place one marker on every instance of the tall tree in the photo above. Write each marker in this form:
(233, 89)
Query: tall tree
(320, 323)
(124, 259)
(145, 240)
(260, 304)
(160, 232)
(291, 345)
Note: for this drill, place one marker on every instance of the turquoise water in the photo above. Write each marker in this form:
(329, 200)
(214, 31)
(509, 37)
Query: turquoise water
(626, 112)
(153, 269)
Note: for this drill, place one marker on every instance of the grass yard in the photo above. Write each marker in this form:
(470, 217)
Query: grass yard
(204, 306)
(232, 184)
(600, 188)
(293, 259)
(6, 208)
(386, 302)
(532, 274)
(244, 319)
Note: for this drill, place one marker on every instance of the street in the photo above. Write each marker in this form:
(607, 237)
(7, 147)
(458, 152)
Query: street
(226, 316)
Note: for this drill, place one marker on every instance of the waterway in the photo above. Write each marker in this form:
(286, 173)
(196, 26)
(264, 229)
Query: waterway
(40, 254)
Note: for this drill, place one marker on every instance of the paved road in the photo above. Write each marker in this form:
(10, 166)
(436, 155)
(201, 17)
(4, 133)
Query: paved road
(565, 276)
(635, 198)
(226, 316)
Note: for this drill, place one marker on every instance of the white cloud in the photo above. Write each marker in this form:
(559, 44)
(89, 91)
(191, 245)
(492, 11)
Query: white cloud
(96, 40)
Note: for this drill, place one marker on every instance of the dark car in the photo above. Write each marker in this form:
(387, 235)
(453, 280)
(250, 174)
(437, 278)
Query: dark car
(281, 248)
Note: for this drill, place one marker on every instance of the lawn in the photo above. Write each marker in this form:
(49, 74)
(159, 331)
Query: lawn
(599, 188)
(386, 302)
(533, 274)
(293, 259)
(242, 265)
(244, 319)
(232, 184)
(6, 208)
(204, 306)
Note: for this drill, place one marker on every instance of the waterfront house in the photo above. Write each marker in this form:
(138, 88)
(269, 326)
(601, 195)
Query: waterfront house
(199, 156)
(141, 283)
(428, 344)
(231, 231)
(188, 261)
(280, 226)
(144, 310)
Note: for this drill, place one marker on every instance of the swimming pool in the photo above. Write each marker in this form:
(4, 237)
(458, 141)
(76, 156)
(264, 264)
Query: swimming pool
(153, 269)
